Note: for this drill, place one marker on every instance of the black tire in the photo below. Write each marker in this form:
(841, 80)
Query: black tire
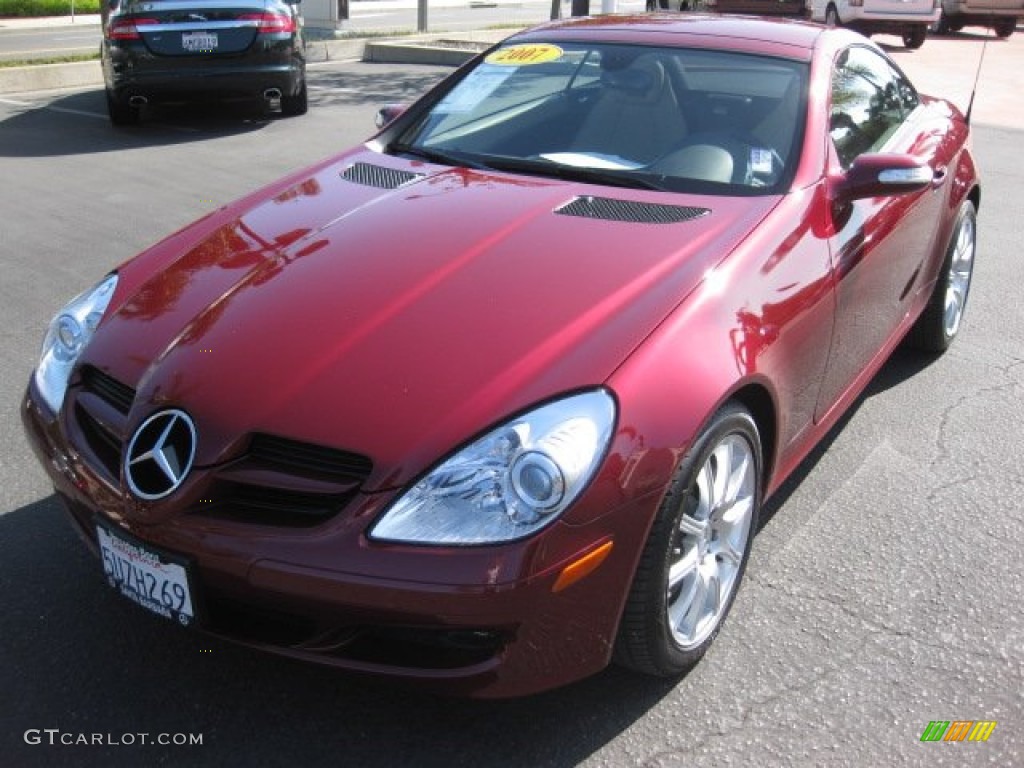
(297, 104)
(914, 37)
(832, 17)
(934, 331)
(647, 642)
(1005, 26)
(941, 25)
(120, 111)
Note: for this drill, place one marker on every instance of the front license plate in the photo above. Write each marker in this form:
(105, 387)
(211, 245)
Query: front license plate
(199, 42)
(153, 579)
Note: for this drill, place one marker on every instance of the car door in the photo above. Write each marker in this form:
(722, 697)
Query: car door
(879, 245)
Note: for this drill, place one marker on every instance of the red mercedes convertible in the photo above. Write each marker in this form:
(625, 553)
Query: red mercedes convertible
(496, 397)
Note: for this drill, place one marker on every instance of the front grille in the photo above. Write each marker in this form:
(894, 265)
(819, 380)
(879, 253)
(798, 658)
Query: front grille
(266, 505)
(609, 209)
(378, 176)
(105, 445)
(310, 460)
(107, 388)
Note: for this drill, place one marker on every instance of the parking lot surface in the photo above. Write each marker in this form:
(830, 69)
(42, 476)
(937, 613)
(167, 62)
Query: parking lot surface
(883, 593)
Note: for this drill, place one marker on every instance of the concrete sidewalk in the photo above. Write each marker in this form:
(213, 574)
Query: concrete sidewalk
(412, 49)
(45, 22)
(407, 49)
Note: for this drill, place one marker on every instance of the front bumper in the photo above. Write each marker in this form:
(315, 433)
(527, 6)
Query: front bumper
(476, 621)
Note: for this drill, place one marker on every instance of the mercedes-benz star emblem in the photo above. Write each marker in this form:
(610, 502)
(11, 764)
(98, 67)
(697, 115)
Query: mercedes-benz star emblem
(160, 454)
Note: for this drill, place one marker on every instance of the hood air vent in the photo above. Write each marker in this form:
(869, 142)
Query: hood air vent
(625, 210)
(378, 176)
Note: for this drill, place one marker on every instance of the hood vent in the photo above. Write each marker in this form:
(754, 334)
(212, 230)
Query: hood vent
(609, 209)
(378, 176)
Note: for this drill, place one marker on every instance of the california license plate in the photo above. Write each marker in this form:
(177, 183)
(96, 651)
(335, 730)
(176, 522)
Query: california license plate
(199, 42)
(153, 579)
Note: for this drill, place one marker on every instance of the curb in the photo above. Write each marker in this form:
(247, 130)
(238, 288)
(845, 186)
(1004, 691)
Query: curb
(412, 50)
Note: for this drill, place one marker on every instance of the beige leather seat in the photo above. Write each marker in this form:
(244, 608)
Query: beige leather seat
(637, 116)
(778, 126)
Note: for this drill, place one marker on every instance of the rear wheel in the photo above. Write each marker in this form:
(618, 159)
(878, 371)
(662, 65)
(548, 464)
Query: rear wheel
(1005, 26)
(120, 111)
(697, 550)
(914, 37)
(940, 322)
(297, 104)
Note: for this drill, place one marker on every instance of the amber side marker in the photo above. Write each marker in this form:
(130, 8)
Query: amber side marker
(582, 567)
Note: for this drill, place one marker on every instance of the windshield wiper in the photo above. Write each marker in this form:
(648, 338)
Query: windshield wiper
(550, 168)
(543, 167)
(441, 157)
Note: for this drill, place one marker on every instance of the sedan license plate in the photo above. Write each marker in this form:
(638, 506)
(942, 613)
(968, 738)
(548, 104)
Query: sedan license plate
(199, 42)
(153, 579)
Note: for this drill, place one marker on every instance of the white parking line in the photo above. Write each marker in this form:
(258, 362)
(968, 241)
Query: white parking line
(82, 112)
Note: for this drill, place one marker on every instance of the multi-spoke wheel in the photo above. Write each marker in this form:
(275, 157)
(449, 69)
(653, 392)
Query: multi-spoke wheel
(941, 319)
(697, 550)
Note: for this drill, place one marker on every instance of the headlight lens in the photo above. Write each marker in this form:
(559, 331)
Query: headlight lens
(68, 334)
(511, 482)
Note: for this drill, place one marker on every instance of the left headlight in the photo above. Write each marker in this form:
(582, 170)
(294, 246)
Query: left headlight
(509, 483)
(69, 333)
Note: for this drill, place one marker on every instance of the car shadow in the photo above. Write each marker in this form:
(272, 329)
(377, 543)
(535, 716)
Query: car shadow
(80, 659)
(32, 131)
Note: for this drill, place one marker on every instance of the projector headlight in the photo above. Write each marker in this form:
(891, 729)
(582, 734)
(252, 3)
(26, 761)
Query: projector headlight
(69, 333)
(511, 482)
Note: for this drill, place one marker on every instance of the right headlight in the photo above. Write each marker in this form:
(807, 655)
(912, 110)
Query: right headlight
(511, 482)
(69, 333)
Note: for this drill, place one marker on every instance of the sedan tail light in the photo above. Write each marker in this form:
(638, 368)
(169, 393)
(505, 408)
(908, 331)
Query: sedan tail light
(127, 29)
(270, 22)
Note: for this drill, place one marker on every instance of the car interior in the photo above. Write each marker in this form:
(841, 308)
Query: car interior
(637, 110)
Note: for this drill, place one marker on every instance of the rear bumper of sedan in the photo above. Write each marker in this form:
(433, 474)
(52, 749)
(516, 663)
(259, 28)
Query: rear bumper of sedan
(421, 617)
(130, 70)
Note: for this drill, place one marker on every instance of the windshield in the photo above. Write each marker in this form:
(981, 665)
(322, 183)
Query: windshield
(664, 118)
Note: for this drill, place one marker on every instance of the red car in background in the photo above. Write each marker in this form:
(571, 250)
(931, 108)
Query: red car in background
(497, 397)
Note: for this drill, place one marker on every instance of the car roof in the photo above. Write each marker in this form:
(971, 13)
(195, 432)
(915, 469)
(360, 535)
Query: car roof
(772, 36)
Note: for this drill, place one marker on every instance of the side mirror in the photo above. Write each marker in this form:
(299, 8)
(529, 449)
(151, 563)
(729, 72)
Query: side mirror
(881, 175)
(388, 113)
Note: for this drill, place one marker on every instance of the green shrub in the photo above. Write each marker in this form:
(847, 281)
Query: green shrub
(47, 7)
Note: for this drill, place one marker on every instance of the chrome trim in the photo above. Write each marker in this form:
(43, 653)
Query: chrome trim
(198, 26)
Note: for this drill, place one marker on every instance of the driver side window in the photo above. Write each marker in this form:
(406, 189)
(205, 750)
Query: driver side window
(869, 102)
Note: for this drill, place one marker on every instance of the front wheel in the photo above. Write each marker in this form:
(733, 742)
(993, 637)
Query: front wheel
(940, 26)
(914, 37)
(1005, 26)
(697, 550)
(940, 322)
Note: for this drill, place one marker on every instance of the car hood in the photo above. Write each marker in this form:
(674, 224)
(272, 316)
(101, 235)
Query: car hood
(358, 307)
